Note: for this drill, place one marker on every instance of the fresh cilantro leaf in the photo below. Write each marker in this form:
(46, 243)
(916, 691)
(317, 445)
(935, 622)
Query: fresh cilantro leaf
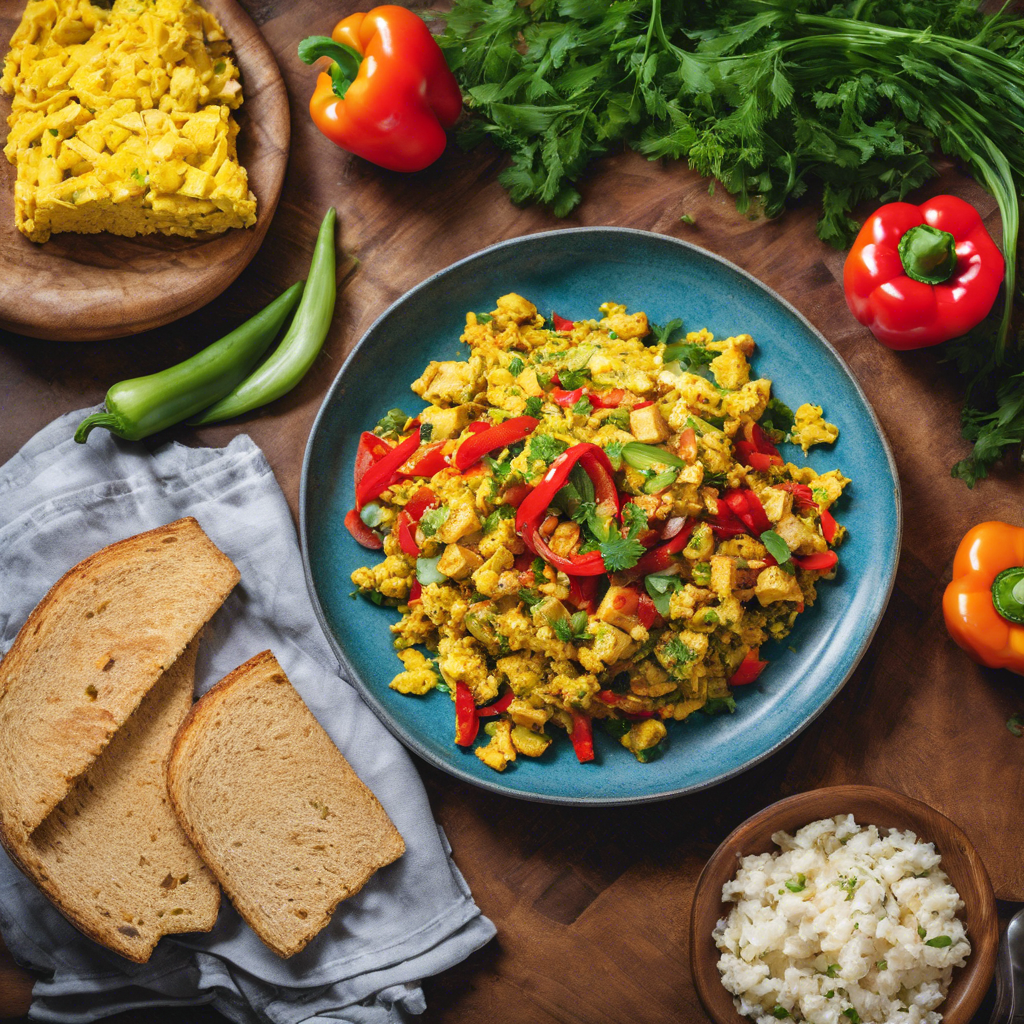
(138, 177)
(620, 552)
(570, 380)
(617, 727)
(433, 519)
(691, 357)
(545, 380)
(530, 597)
(516, 366)
(583, 407)
(545, 448)
(716, 480)
(614, 452)
(661, 587)
(662, 335)
(571, 629)
(778, 418)
(777, 547)
(634, 518)
(497, 515)
(852, 1015)
(537, 568)
(718, 705)
(648, 754)
(780, 1013)
(501, 470)
(940, 942)
(392, 423)
(484, 318)
(533, 406)
(426, 432)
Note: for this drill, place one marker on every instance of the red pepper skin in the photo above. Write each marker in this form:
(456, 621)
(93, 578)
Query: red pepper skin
(561, 325)
(423, 499)
(661, 558)
(904, 313)
(407, 535)
(749, 668)
(820, 561)
(415, 591)
(501, 704)
(646, 612)
(473, 449)
(803, 497)
(747, 507)
(535, 505)
(582, 737)
(828, 526)
(430, 459)
(607, 399)
(378, 477)
(611, 698)
(583, 593)
(361, 532)
(566, 399)
(395, 111)
(467, 721)
(371, 450)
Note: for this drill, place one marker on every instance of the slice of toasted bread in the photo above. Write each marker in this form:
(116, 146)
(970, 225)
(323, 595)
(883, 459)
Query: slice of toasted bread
(112, 856)
(88, 653)
(272, 806)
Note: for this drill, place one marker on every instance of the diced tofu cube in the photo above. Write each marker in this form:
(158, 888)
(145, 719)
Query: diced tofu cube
(648, 425)
(723, 574)
(448, 382)
(775, 584)
(462, 520)
(526, 715)
(644, 735)
(799, 536)
(458, 562)
(618, 607)
(549, 610)
(611, 644)
(445, 423)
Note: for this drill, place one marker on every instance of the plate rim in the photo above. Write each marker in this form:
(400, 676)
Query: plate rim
(411, 742)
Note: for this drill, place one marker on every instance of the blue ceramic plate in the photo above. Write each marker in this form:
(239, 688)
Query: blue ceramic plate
(573, 271)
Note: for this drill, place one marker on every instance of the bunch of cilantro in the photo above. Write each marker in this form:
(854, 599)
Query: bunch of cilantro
(845, 101)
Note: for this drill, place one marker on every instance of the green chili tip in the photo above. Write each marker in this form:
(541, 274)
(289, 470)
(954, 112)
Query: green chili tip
(97, 419)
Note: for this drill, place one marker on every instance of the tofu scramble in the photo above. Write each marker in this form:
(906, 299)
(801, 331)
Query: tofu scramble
(842, 925)
(589, 522)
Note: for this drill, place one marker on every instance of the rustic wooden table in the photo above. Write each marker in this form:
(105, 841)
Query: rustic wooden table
(592, 905)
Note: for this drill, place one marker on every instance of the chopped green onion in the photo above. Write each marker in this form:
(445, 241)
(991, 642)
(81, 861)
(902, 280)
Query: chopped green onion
(646, 456)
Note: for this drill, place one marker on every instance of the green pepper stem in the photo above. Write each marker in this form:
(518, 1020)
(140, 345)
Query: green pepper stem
(928, 254)
(345, 60)
(97, 419)
(1008, 594)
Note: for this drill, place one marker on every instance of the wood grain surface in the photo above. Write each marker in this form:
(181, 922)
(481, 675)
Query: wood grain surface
(592, 905)
(869, 805)
(89, 287)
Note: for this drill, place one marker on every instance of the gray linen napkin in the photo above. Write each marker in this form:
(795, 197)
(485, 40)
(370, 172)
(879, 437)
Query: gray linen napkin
(61, 501)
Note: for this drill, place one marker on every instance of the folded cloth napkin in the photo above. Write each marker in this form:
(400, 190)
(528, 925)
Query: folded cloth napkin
(61, 501)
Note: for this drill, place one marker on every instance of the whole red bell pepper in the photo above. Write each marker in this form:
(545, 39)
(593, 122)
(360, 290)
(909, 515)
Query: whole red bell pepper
(920, 275)
(388, 95)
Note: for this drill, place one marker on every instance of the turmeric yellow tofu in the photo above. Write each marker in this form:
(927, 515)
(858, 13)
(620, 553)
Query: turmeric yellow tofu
(121, 120)
(593, 531)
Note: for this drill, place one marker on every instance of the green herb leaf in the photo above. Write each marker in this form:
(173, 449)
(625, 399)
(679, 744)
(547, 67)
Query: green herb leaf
(533, 406)
(433, 519)
(54, 132)
(392, 423)
(781, 1013)
(690, 356)
(614, 452)
(940, 942)
(516, 366)
(426, 432)
(776, 546)
(619, 553)
(1015, 723)
(832, 970)
(718, 705)
(545, 448)
(496, 516)
(570, 380)
(634, 519)
(797, 884)
(583, 407)
(852, 1014)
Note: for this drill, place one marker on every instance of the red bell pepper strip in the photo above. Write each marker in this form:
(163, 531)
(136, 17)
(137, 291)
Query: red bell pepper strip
(479, 426)
(803, 497)
(561, 325)
(473, 449)
(423, 499)
(534, 507)
(407, 535)
(415, 592)
(566, 399)
(371, 450)
(820, 561)
(583, 593)
(642, 405)
(661, 558)
(582, 736)
(726, 525)
(646, 612)
(500, 705)
(361, 532)
(612, 699)
(828, 525)
(747, 507)
(388, 95)
(749, 668)
(920, 275)
(467, 721)
(763, 443)
(378, 477)
(607, 399)
(430, 459)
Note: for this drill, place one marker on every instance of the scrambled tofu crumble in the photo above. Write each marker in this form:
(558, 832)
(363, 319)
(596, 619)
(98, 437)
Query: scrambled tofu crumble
(121, 120)
(621, 550)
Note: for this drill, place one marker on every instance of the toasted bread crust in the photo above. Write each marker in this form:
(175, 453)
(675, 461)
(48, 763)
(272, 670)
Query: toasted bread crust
(258, 887)
(55, 723)
(145, 880)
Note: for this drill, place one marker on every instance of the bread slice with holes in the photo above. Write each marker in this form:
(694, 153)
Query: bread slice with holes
(89, 652)
(274, 809)
(112, 856)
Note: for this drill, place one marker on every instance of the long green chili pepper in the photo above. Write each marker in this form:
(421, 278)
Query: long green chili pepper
(142, 406)
(300, 346)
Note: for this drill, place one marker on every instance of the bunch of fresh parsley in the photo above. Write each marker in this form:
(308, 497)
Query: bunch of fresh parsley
(773, 98)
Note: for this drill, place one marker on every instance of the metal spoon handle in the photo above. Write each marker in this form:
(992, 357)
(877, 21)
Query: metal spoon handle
(1009, 1004)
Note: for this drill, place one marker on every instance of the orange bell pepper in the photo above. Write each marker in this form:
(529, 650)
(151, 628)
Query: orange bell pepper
(388, 95)
(984, 604)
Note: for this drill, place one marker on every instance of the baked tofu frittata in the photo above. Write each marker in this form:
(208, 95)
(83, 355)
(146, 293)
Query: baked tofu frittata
(586, 522)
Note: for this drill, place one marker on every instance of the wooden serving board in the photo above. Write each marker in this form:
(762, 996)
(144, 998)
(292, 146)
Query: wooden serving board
(88, 287)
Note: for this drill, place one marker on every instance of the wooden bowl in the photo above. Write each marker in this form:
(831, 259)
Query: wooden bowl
(869, 805)
(88, 287)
